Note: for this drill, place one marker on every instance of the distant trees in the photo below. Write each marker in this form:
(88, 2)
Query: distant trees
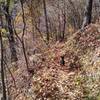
(88, 13)
(62, 18)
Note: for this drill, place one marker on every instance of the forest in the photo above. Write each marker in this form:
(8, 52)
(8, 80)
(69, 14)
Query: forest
(49, 49)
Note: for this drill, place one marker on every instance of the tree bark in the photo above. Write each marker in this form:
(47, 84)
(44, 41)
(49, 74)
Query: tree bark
(22, 40)
(46, 19)
(2, 70)
(64, 21)
(11, 34)
(88, 13)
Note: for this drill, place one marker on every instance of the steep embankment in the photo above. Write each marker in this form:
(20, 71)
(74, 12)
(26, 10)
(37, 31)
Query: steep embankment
(81, 52)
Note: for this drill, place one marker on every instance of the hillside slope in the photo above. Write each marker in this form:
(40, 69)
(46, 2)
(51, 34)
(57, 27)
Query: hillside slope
(78, 79)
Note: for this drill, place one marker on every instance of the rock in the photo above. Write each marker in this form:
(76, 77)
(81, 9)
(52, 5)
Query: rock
(35, 58)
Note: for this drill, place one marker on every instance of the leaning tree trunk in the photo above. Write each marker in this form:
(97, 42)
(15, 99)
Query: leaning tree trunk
(11, 34)
(88, 13)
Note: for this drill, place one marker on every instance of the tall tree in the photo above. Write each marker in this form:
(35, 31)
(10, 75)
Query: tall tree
(88, 13)
(46, 19)
(2, 69)
(2, 58)
(34, 10)
(64, 21)
(59, 21)
(22, 41)
(11, 32)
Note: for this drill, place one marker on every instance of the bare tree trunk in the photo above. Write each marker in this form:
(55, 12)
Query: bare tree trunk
(11, 34)
(31, 9)
(59, 27)
(46, 19)
(22, 40)
(59, 22)
(2, 60)
(64, 22)
(88, 13)
(2, 70)
(75, 16)
(64, 27)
